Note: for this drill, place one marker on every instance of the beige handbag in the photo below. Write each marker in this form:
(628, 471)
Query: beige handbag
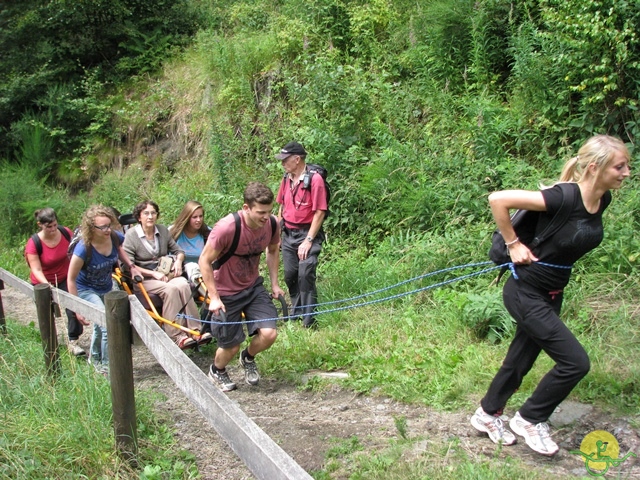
(165, 265)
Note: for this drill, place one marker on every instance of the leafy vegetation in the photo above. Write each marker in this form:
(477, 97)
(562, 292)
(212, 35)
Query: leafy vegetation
(418, 110)
(60, 58)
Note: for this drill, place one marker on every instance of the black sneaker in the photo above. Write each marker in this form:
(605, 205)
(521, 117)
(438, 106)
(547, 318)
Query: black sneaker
(221, 379)
(251, 375)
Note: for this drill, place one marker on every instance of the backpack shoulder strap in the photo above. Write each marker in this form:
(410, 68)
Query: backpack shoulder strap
(115, 239)
(274, 225)
(561, 216)
(234, 244)
(64, 233)
(37, 242)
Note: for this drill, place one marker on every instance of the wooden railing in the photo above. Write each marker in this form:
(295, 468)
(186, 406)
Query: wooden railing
(256, 449)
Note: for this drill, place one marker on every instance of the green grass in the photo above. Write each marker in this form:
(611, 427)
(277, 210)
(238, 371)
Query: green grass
(61, 427)
(417, 459)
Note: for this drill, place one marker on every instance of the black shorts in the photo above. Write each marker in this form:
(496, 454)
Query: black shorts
(256, 304)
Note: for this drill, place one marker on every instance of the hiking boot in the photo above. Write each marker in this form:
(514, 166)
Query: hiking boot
(251, 375)
(75, 349)
(493, 426)
(535, 434)
(221, 379)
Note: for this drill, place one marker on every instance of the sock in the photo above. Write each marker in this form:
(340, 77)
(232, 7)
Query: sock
(246, 356)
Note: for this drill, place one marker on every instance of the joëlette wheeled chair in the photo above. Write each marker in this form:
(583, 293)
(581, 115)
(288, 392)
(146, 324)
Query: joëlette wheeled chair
(153, 303)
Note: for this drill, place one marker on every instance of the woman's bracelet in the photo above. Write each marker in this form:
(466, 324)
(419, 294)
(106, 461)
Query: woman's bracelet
(513, 242)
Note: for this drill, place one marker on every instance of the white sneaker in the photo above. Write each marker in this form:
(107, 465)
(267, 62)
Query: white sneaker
(536, 435)
(493, 426)
(75, 349)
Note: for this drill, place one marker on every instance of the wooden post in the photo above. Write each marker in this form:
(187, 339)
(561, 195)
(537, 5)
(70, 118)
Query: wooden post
(46, 321)
(121, 373)
(3, 323)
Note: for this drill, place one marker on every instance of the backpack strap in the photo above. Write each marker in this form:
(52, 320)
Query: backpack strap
(274, 225)
(64, 233)
(115, 239)
(557, 221)
(236, 239)
(234, 244)
(116, 243)
(561, 216)
(38, 242)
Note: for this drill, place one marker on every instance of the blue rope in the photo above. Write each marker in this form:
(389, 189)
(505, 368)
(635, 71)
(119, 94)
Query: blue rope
(404, 282)
(510, 265)
(370, 302)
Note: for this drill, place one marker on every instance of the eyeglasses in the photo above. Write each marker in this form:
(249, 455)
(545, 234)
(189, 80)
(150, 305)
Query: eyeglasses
(149, 214)
(103, 228)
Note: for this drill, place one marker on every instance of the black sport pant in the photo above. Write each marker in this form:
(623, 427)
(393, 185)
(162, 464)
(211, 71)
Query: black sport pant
(538, 328)
(300, 275)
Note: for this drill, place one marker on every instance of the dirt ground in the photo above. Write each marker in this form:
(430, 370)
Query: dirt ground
(306, 424)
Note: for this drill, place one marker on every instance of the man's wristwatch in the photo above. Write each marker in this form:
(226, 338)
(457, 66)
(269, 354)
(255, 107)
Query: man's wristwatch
(310, 238)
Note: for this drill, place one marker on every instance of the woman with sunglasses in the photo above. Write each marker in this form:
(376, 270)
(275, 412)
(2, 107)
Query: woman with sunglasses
(90, 269)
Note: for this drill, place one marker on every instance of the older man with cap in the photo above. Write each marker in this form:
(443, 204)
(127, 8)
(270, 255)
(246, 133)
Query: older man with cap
(303, 205)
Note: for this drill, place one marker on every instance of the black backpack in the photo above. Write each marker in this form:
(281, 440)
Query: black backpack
(311, 170)
(527, 228)
(236, 239)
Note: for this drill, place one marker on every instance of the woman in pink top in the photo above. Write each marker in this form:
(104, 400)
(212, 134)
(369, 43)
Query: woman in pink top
(50, 263)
